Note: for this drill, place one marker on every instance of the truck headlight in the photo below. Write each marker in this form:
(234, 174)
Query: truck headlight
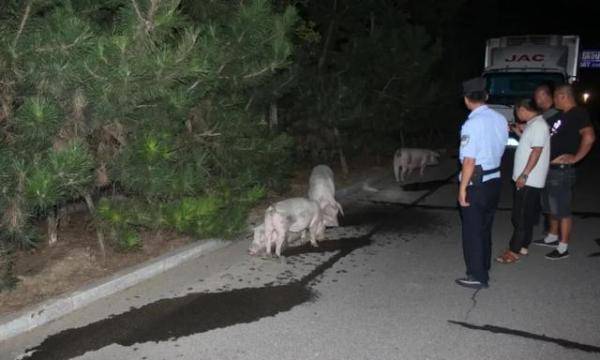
(585, 97)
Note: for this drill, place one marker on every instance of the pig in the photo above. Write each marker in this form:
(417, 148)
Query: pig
(411, 158)
(259, 240)
(295, 215)
(321, 189)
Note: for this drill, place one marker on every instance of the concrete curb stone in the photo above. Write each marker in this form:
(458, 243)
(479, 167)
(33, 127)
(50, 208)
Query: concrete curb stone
(27, 319)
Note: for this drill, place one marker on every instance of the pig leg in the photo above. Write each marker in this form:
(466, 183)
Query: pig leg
(423, 164)
(275, 229)
(278, 246)
(312, 231)
(303, 236)
(269, 228)
(405, 171)
(279, 239)
(316, 230)
(330, 212)
(320, 231)
(339, 207)
(397, 167)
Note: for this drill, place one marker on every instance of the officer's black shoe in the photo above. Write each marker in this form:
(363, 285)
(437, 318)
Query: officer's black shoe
(556, 255)
(471, 283)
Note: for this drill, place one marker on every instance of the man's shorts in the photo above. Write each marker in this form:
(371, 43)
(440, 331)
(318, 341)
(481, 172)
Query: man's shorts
(558, 192)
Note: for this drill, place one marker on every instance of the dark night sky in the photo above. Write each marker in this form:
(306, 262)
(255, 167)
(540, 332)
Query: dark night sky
(496, 17)
(481, 19)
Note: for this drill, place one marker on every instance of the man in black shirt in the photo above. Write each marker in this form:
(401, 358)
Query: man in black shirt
(571, 138)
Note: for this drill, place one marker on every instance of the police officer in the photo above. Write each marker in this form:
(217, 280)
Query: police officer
(482, 142)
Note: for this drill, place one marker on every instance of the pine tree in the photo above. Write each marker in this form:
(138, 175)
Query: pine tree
(137, 96)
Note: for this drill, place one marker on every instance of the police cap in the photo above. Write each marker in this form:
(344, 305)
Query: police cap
(474, 85)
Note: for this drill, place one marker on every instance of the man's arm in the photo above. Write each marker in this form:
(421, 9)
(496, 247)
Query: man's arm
(588, 136)
(468, 167)
(532, 161)
(587, 140)
(516, 128)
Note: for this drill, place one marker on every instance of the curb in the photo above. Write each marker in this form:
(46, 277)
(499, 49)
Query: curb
(27, 319)
(50, 310)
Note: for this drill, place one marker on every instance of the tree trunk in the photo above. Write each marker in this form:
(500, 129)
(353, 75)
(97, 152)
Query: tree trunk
(52, 227)
(63, 217)
(402, 138)
(273, 116)
(99, 233)
(328, 39)
(8, 280)
(343, 162)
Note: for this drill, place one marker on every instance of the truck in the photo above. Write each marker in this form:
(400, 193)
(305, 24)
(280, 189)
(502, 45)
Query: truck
(515, 65)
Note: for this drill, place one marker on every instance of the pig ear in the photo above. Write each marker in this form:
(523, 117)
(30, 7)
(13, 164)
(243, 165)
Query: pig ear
(339, 208)
(328, 208)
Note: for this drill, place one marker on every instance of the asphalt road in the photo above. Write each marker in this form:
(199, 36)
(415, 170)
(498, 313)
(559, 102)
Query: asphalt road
(380, 287)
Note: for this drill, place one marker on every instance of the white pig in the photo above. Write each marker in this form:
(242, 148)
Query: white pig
(321, 189)
(259, 240)
(412, 158)
(292, 215)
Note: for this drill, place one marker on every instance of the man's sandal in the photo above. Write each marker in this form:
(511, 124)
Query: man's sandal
(508, 257)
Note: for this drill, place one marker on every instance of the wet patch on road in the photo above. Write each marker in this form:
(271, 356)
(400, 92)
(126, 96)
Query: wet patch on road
(596, 254)
(390, 216)
(169, 319)
(323, 247)
(587, 214)
(366, 216)
(502, 330)
(426, 185)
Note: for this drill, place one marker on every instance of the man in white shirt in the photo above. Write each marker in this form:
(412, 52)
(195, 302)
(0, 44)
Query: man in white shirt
(532, 160)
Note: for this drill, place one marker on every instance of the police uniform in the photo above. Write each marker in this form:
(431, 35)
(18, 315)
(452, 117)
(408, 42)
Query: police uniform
(483, 138)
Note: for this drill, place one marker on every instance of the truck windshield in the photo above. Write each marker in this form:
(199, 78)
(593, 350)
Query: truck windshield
(507, 88)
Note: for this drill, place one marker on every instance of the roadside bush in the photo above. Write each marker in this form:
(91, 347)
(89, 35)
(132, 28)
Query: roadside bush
(220, 214)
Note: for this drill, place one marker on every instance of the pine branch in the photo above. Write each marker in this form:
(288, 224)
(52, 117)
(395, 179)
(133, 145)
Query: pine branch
(62, 47)
(91, 72)
(22, 25)
(137, 11)
(257, 73)
(151, 14)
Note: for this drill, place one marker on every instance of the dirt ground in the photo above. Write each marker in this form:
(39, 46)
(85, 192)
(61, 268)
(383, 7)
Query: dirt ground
(74, 261)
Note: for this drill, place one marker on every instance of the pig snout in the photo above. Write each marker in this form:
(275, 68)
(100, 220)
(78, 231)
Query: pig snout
(330, 214)
(434, 159)
(256, 248)
(259, 241)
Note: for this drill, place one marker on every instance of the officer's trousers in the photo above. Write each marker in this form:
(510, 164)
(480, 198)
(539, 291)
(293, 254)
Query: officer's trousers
(477, 220)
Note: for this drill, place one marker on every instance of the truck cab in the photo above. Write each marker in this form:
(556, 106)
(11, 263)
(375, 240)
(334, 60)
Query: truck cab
(515, 65)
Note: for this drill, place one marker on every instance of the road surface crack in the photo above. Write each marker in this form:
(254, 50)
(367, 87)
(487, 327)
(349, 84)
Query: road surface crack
(473, 305)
